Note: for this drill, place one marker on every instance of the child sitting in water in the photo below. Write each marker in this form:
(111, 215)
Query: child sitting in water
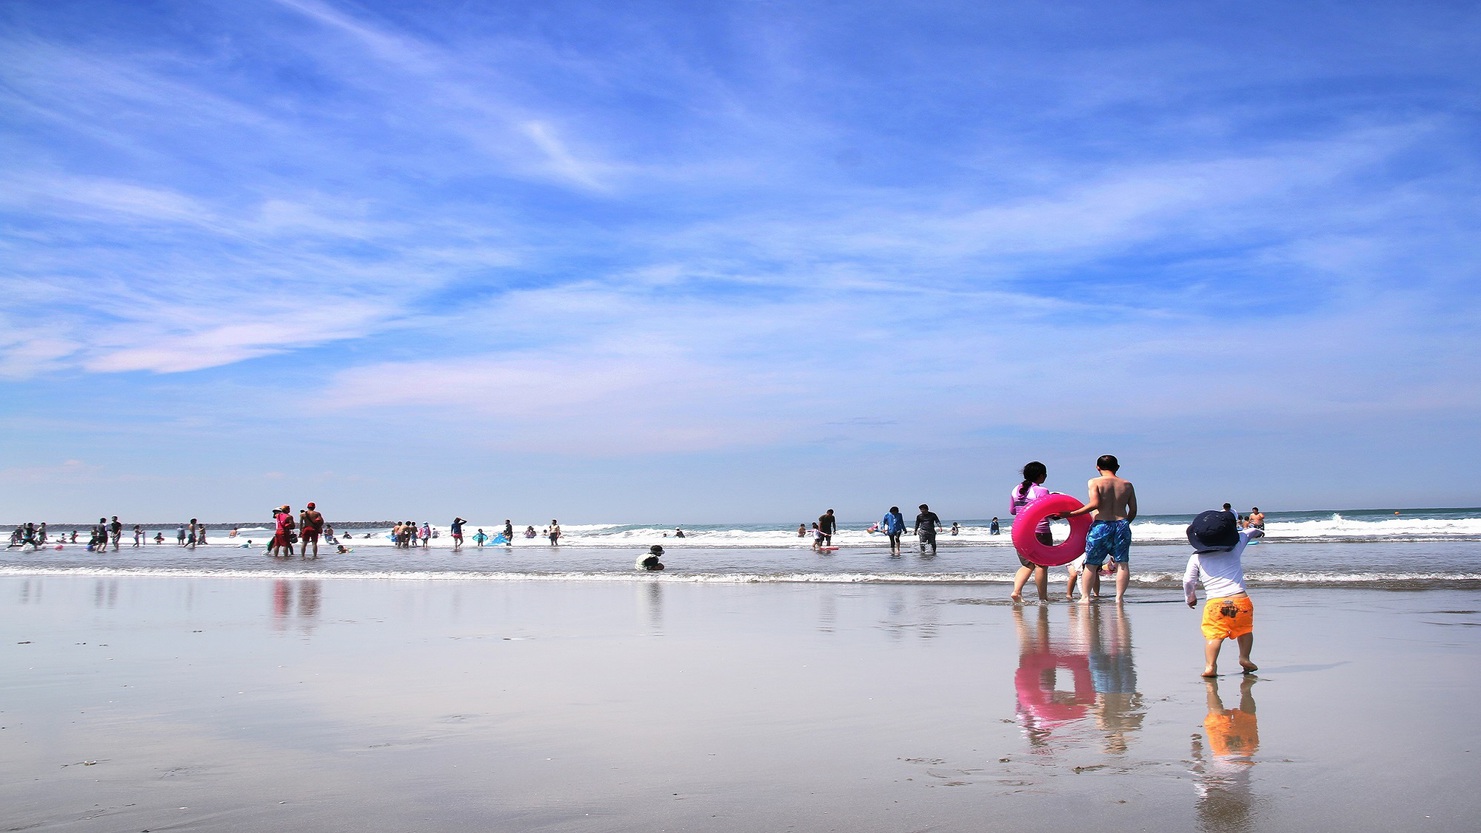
(649, 561)
(1218, 546)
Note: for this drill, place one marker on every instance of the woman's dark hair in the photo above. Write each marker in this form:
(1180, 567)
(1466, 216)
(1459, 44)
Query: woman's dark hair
(1032, 473)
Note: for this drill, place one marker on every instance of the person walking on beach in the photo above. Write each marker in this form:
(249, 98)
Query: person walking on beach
(1218, 550)
(554, 532)
(115, 529)
(1113, 500)
(457, 533)
(926, 524)
(310, 529)
(195, 532)
(893, 524)
(827, 524)
(179, 536)
(1024, 495)
(138, 536)
(508, 533)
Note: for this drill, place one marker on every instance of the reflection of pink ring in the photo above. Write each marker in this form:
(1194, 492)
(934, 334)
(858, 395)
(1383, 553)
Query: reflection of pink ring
(1042, 554)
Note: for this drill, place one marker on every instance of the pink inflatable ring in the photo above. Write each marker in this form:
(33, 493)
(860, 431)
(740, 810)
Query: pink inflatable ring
(1043, 554)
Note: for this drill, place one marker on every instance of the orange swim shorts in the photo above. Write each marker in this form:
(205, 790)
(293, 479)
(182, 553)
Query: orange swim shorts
(1228, 618)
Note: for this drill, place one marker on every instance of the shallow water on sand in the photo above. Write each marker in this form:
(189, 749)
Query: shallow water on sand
(209, 703)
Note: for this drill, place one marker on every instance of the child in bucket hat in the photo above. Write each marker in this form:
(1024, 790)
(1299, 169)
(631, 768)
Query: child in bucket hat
(1218, 546)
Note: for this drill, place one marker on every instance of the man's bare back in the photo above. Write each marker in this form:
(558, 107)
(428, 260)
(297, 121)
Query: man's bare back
(1112, 498)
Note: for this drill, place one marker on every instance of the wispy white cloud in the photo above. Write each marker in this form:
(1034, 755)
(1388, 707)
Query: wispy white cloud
(735, 231)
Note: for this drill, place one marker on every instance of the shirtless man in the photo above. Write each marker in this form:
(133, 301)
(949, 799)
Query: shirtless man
(310, 528)
(1113, 501)
(1257, 518)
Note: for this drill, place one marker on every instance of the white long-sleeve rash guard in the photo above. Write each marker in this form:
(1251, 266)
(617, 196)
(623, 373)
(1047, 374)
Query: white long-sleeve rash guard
(1222, 572)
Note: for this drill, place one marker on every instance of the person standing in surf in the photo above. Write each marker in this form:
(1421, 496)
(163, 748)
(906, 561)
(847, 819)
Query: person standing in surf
(312, 527)
(893, 525)
(1023, 495)
(926, 524)
(1113, 500)
(828, 524)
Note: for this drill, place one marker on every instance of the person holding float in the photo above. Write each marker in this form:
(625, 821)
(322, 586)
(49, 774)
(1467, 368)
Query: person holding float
(1113, 500)
(1023, 496)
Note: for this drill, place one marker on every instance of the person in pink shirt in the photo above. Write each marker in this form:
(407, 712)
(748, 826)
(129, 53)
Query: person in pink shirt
(1024, 494)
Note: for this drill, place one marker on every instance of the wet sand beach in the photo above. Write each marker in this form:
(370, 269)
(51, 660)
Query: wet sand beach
(357, 704)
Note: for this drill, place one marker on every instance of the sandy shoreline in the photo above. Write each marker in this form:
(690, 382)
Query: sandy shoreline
(359, 704)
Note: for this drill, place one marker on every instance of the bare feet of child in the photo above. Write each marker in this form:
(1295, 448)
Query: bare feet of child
(1249, 667)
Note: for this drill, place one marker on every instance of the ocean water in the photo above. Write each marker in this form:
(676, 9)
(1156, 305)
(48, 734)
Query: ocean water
(1407, 549)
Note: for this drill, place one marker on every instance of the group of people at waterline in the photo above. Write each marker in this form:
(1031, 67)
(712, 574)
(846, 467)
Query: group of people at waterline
(1218, 537)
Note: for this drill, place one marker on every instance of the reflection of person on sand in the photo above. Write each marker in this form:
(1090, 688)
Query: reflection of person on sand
(649, 560)
(1218, 547)
(1223, 770)
(1041, 706)
(1118, 705)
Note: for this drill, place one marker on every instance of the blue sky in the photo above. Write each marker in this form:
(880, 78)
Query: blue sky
(695, 262)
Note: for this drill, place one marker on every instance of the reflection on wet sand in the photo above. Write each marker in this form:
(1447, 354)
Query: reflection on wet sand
(1101, 683)
(1118, 705)
(653, 591)
(1042, 706)
(105, 593)
(1225, 803)
(307, 603)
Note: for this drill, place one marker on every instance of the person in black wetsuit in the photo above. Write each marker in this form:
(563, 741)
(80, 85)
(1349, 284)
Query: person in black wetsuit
(926, 524)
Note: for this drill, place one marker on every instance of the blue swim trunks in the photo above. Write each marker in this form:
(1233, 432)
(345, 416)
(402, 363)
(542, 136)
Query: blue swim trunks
(1111, 538)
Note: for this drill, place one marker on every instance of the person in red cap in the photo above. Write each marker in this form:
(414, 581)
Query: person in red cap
(312, 524)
